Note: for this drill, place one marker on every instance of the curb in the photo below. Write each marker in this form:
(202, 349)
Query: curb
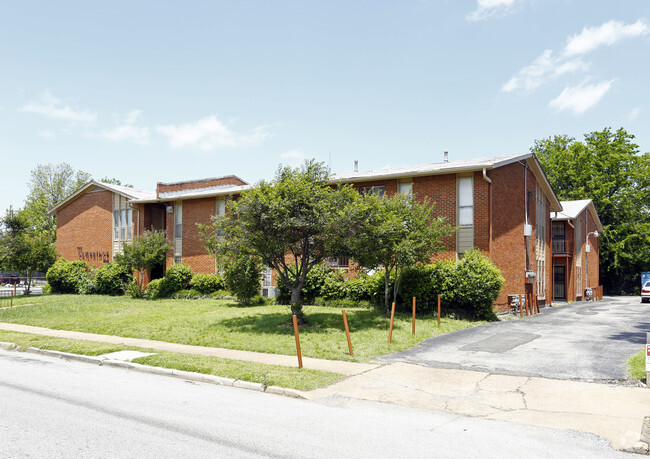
(169, 372)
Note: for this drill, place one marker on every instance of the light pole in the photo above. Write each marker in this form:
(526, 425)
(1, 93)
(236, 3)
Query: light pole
(587, 250)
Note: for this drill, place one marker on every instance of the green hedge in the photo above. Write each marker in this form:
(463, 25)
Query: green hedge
(68, 276)
(112, 279)
(207, 283)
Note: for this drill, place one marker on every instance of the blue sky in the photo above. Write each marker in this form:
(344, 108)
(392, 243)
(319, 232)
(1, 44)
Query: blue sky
(167, 91)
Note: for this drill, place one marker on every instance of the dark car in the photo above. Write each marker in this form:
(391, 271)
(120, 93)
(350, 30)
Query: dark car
(9, 279)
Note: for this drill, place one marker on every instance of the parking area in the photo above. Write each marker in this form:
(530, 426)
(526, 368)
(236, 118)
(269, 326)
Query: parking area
(583, 340)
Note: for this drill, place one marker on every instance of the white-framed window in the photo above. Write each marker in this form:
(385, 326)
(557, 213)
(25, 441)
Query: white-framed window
(464, 214)
(405, 187)
(376, 190)
(338, 262)
(541, 216)
(465, 201)
(178, 232)
(578, 257)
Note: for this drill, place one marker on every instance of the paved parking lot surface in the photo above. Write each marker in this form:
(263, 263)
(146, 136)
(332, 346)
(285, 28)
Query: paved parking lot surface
(583, 340)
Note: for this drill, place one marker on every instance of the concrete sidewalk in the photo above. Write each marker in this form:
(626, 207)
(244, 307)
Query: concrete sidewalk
(335, 366)
(614, 412)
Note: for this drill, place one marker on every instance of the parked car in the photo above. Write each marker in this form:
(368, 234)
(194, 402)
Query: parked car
(645, 292)
(9, 279)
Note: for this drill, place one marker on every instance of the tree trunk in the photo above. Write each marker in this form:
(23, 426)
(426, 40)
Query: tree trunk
(387, 290)
(296, 305)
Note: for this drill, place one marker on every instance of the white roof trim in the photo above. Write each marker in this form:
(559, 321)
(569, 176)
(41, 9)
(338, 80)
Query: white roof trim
(129, 193)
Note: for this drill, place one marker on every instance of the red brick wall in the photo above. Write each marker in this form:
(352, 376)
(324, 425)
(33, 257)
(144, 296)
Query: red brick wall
(441, 191)
(481, 212)
(84, 228)
(197, 184)
(194, 253)
(508, 219)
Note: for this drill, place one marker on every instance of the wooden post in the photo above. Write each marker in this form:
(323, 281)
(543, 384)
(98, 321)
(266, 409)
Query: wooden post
(390, 330)
(295, 331)
(438, 310)
(647, 358)
(521, 308)
(347, 331)
(413, 316)
(11, 301)
(532, 306)
(537, 304)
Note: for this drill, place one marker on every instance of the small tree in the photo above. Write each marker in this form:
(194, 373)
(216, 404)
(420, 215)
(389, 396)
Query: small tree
(394, 232)
(24, 252)
(144, 253)
(291, 224)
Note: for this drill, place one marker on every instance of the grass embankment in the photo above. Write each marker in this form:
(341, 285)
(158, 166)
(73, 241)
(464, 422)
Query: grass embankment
(221, 323)
(636, 366)
(269, 375)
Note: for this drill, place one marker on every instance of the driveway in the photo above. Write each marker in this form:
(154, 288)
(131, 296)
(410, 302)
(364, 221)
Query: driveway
(583, 340)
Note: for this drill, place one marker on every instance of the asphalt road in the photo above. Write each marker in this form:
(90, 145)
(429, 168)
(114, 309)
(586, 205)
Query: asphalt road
(582, 340)
(52, 408)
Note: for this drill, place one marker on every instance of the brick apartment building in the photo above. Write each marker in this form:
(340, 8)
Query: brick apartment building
(502, 205)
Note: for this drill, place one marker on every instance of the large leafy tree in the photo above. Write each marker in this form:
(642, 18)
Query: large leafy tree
(393, 233)
(291, 224)
(608, 168)
(50, 184)
(143, 254)
(24, 251)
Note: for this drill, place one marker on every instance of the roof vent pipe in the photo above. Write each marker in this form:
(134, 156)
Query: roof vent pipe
(356, 165)
(446, 156)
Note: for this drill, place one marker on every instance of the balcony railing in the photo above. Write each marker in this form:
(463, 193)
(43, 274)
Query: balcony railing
(562, 246)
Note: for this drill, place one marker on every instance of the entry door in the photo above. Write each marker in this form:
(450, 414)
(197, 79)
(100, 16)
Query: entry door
(559, 282)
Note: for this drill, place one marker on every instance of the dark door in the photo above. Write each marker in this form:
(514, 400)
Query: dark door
(559, 282)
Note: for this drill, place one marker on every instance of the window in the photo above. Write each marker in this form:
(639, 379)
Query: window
(122, 219)
(540, 241)
(178, 220)
(376, 190)
(406, 187)
(578, 257)
(338, 262)
(465, 201)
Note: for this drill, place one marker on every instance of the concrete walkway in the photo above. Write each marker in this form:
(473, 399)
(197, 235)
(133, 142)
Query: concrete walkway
(614, 412)
(335, 366)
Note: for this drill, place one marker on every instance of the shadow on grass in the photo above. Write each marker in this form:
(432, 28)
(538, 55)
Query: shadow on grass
(317, 322)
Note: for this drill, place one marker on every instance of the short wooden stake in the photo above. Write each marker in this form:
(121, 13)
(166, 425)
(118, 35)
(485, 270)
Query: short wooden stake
(295, 331)
(438, 310)
(390, 330)
(414, 315)
(12, 299)
(347, 331)
(521, 306)
(530, 304)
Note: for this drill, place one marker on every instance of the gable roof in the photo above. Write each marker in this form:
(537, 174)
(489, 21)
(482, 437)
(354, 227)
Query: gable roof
(571, 210)
(129, 193)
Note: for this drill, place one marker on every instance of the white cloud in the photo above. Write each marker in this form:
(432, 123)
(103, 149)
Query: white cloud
(294, 157)
(210, 133)
(607, 34)
(545, 67)
(127, 131)
(52, 107)
(580, 98)
(46, 133)
(487, 8)
(634, 114)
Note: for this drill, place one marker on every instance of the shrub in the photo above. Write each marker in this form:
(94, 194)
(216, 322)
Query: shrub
(242, 276)
(67, 276)
(207, 283)
(133, 290)
(153, 288)
(112, 279)
(176, 278)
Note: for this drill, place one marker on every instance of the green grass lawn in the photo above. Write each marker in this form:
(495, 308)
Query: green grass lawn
(221, 323)
(270, 375)
(636, 366)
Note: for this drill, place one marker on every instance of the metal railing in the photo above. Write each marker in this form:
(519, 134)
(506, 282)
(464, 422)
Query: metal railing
(562, 246)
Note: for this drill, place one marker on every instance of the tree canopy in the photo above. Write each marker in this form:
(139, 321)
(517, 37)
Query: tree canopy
(144, 253)
(291, 224)
(393, 233)
(50, 184)
(608, 168)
